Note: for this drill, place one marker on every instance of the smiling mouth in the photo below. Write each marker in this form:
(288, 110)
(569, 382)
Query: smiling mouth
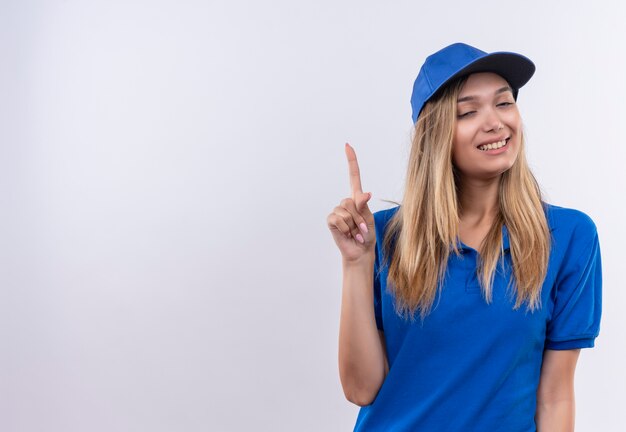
(495, 145)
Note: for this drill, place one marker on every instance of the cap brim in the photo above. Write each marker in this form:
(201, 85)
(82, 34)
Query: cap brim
(515, 68)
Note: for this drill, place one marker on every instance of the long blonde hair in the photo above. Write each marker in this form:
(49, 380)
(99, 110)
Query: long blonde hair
(425, 227)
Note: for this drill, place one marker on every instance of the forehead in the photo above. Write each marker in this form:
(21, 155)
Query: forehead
(482, 84)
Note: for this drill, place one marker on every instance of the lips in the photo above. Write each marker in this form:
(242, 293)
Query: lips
(494, 141)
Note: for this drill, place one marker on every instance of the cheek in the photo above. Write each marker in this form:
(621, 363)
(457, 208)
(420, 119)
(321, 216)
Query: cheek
(462, 140)
(461, 147)
(517, 131)
(515, 120)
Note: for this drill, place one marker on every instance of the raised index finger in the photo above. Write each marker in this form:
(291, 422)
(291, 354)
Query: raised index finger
(355, 174)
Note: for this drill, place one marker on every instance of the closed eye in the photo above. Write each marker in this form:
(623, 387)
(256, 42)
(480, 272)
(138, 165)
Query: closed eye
(472, 112)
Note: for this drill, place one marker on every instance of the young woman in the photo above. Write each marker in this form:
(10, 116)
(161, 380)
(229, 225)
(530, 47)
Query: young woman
(507, 286)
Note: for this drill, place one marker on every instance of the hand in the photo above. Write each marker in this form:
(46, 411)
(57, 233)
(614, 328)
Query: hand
(347, 220)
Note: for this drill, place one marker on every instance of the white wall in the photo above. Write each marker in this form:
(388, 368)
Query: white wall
(166, 169)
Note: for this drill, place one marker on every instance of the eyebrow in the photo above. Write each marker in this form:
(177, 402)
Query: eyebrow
(497, 92)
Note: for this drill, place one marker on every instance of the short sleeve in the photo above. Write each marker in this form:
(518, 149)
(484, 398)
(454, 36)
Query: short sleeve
(378, 313)
(575, 321)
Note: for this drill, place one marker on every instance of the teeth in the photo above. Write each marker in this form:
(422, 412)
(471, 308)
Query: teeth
(493, 146)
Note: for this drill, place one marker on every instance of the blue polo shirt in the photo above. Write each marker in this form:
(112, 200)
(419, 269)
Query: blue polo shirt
(474, 366)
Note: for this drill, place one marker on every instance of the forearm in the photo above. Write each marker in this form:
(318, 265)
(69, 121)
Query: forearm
(555, 416)
(361, 356)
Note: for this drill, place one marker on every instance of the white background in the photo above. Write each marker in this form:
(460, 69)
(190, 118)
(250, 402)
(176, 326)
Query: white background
(166, 170)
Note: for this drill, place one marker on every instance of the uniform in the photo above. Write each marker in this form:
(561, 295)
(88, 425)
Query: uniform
(474, 366)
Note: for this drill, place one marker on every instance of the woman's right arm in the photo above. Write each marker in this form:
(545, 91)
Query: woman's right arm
(362, 356)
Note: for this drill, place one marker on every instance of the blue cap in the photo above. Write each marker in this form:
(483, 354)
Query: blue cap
(461, 59)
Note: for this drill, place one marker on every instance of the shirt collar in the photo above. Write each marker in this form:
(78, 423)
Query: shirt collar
(505, 241)
(505, 237)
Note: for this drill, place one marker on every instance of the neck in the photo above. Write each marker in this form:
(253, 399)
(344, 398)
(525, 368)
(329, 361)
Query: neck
(478, 201)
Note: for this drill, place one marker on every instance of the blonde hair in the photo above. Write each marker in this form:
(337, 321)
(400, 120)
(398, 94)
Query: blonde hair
(425, 227)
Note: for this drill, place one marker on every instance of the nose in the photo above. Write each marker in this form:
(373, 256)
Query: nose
(492, 121)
